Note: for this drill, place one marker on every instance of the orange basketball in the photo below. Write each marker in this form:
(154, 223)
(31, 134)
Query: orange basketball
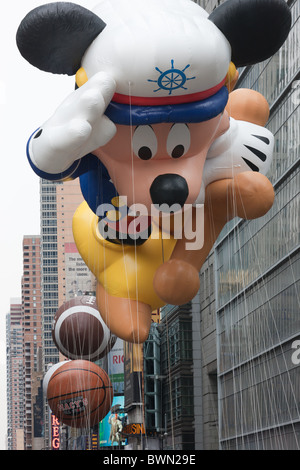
(80, 393)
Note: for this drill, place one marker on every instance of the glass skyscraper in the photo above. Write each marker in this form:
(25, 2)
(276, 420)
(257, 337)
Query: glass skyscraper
(50, 281)
(257, 273)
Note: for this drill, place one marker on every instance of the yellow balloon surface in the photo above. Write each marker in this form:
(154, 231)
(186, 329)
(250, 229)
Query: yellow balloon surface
(124, 271)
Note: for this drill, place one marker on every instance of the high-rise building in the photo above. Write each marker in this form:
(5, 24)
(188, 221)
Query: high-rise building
(32, 339)
(179, 379)
(64, 274)
(74, 276)
(49, 281)
(254, 282)
(15, 377)
(257, 267)
(24, 354)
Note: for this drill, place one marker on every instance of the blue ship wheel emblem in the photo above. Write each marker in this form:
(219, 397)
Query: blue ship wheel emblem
(171, 79)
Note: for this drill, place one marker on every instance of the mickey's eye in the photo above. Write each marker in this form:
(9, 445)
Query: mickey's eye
(179, 140)
(144, 142)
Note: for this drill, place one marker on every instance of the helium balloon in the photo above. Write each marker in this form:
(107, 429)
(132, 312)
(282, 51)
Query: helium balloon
(80, 394)
(78, 330)
(49, 373)
(149, 125)
(125, 274)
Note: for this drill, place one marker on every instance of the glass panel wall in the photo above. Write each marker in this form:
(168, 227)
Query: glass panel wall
(257, 273)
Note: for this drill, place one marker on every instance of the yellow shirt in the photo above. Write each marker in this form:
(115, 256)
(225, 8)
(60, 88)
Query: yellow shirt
(123, 270)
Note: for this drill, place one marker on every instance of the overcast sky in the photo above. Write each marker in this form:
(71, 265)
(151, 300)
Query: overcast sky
(27, 98)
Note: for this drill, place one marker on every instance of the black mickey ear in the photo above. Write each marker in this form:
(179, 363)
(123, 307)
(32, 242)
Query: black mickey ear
(54, 37)
(255, 29)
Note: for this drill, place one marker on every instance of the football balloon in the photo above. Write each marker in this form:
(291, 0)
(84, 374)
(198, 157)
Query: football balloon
(79, 332)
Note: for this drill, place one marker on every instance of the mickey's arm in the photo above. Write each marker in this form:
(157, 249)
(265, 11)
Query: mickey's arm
(78, 127)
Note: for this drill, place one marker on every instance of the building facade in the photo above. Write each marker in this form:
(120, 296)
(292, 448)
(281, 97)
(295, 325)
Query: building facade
(24, 355)
(257, 266)
(64, 274)
(74, 276)
(49, 282)
(32, 339)
(14, 376)
(256, 281)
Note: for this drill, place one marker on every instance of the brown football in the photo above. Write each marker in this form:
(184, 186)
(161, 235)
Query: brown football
(79, 332)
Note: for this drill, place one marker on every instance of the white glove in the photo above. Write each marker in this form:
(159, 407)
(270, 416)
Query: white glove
(243, 147)
(77, 127)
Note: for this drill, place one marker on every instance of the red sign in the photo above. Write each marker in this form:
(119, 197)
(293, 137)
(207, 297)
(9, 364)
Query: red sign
(55, 441)
(118, 359)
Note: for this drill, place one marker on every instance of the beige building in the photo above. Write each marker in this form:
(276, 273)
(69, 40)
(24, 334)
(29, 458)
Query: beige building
(73, 274)
(32, 335)
(64, 274)
(14, 376)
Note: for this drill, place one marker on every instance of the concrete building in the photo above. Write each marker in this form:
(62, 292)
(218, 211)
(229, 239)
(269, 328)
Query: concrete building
(15, 377)
(24, 355)
(73, 274)
(32, 338)
(49, 281)
(64, 275)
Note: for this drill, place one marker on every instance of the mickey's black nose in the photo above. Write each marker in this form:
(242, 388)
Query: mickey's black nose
(169, 189)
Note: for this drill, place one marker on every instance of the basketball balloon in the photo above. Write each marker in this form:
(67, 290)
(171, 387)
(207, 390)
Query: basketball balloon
(80, 393)
(79, 332)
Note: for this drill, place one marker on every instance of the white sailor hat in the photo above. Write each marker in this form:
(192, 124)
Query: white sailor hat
(169, 58)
